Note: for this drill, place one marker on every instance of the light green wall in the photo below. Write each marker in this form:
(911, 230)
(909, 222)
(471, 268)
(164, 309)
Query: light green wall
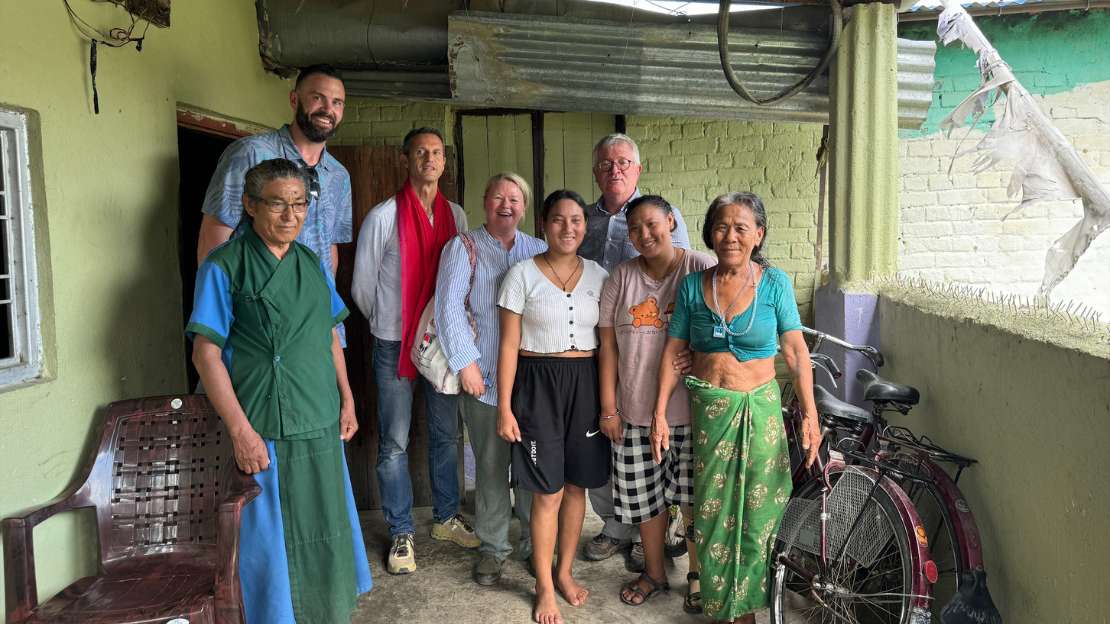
(109, 211)
(1037, 417)
(492, 144)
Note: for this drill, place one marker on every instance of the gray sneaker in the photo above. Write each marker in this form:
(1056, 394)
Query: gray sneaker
(601, 547)
(487, 571)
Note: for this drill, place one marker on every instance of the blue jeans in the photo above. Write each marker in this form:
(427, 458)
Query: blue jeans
(394, 420)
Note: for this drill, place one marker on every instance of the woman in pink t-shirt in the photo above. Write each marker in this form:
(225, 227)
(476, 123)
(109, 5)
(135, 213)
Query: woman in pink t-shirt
(636, 304)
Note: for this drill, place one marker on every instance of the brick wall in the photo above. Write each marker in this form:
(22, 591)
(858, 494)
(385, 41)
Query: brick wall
(385, 122)
(691, 161)
(952, 226)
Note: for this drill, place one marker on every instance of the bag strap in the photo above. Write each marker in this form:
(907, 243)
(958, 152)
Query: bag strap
(472, 253)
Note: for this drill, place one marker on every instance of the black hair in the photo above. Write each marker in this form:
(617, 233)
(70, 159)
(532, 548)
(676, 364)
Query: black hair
(406, 144)
(258, 176)
(319, 68)
(650, 200)
(556, 197)
(738, 198)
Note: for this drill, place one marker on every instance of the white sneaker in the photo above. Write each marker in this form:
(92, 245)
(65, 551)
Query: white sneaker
(402, 558)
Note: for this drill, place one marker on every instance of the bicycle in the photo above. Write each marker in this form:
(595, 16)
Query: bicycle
(950, 555)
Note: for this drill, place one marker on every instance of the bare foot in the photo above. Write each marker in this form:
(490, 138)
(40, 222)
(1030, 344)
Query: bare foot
(574, 593)
(546, 610)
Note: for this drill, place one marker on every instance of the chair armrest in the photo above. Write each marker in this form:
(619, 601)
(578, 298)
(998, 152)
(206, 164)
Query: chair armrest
(229, 599)
(20, 584)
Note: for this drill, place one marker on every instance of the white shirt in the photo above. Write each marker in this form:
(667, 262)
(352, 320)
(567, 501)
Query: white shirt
(553, 321)
(376, 284)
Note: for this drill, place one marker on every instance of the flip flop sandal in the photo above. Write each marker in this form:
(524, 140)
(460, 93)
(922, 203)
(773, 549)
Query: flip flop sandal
(635, 589)
(692, 602)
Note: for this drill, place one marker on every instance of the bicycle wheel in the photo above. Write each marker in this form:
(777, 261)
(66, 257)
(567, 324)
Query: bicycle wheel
(948, 552)
(873, 573)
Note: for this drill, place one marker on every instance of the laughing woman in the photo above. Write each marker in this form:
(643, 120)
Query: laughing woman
(547, 394)
(734, 317)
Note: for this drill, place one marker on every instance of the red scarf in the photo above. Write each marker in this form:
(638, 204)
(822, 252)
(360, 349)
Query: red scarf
(421, 244)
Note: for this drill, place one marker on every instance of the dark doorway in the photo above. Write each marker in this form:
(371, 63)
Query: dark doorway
(198, 153)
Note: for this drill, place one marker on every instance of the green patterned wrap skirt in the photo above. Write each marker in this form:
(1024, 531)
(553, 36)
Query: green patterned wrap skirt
(741, 485)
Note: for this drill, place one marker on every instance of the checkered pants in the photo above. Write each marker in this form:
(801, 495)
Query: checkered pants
(643, 489)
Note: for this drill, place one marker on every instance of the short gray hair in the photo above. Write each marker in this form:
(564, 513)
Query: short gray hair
(509, 176)
(267, 171)
(613, 139)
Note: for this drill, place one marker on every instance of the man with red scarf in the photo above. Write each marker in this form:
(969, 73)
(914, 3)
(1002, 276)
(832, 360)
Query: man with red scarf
(399, 246)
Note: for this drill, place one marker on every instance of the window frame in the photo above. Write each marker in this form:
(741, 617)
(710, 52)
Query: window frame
(27, 365)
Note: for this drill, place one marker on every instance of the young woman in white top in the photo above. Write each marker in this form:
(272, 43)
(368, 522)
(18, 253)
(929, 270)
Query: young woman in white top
(547, 393)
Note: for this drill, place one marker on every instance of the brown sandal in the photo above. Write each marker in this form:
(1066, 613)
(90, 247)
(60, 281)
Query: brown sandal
(635, 588)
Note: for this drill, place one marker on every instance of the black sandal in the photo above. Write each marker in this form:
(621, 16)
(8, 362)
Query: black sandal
(635, 589)
(692, 602)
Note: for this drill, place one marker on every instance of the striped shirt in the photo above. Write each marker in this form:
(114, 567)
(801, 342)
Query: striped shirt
(459, 344)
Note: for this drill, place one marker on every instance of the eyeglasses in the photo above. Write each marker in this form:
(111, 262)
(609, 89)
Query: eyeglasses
(278, 206)
(620, 165)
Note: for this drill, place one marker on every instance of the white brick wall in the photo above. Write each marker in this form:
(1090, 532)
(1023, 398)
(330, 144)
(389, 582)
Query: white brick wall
(952, 226)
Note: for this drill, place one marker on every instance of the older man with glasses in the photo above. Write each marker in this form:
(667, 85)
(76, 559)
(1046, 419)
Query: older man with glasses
(616, 167)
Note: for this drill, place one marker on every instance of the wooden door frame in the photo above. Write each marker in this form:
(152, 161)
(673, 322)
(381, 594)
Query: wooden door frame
(209, 122)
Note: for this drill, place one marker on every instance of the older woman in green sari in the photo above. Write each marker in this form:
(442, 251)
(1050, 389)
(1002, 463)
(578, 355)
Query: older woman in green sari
(734, 317)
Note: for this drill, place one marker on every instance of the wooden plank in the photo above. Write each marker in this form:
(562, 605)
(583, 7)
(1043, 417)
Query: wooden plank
(475, 148)
(553, 176)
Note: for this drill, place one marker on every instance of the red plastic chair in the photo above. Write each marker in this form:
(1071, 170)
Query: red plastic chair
(168, 501)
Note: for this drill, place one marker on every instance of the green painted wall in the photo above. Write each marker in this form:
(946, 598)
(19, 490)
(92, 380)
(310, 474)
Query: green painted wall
(1037, 417)
(1049, 53)
(492, 144)
(107, 205)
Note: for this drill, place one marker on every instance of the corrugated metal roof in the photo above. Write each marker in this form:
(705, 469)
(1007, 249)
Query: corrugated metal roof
(548, 63)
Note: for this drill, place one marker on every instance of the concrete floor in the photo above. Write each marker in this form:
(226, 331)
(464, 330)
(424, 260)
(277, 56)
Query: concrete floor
(441, 591)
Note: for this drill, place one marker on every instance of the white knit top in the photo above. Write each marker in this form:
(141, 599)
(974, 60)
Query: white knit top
(553, 321)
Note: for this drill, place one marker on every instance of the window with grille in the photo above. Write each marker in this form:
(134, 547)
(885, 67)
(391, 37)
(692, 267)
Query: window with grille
(20, 336)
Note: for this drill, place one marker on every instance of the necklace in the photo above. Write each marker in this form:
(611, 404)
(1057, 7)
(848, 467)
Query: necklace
(562, 282)
(722, 328)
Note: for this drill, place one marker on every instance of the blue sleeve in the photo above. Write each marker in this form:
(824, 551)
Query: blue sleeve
(680, 319)
(212, 312)
(681, 236)
(342, 232)
(452, 323)
(339, 309)
(224, 198)
(786, 306)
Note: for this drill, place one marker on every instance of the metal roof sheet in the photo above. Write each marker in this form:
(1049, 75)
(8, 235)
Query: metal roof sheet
(538, 62)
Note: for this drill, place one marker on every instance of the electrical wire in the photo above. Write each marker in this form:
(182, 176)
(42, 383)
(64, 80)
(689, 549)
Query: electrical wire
(115, 37)
(734, 81)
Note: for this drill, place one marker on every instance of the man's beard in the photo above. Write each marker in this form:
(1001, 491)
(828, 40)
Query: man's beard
(311, 132)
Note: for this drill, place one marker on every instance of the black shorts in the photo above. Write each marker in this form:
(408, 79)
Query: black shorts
(555, 401)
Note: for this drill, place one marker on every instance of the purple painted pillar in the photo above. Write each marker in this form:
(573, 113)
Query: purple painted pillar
(855, 318)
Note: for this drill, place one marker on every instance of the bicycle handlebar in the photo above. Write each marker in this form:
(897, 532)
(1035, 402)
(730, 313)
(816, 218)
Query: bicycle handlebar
(871, 353)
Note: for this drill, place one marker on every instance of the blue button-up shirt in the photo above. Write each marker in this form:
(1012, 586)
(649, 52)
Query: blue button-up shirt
(606, 241)
(459, 344)
(328, 220)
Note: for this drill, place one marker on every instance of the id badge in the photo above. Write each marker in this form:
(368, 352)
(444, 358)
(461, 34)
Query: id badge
(718, 331)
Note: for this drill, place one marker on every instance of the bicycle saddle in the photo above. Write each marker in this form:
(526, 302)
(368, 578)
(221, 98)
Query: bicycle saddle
(828, 405)
(876, 388)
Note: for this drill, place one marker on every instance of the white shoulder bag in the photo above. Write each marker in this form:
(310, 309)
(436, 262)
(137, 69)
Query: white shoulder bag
(427, 351)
